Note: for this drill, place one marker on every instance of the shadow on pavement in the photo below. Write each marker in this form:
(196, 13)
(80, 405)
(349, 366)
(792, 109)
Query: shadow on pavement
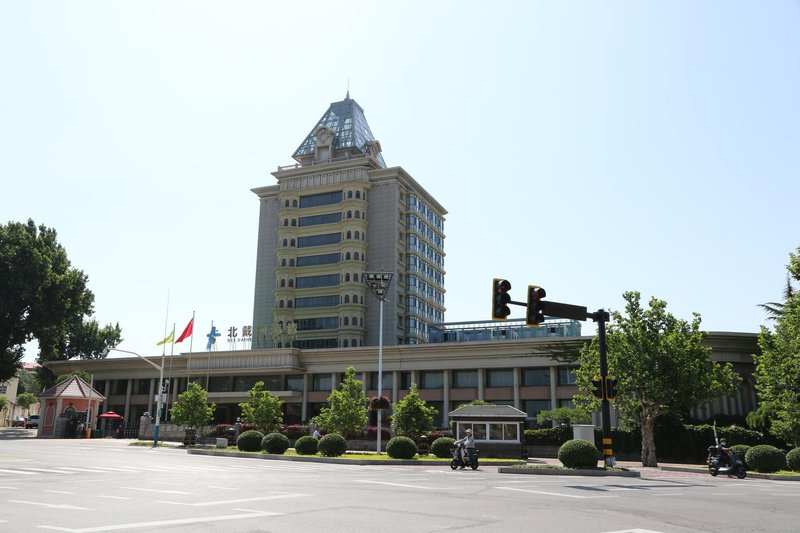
(17, 433)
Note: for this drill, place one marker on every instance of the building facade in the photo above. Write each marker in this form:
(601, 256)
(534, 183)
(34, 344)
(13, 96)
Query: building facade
(335, 214)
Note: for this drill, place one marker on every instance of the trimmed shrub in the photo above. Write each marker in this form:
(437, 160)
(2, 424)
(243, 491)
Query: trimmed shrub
(578, 453)
(548, 436)
(741, 451)
(250, 441)
(765, 458)
(793, 459)
(306, 445)
(332, 445)
(275, 443)
(441, 447)
(401, 448)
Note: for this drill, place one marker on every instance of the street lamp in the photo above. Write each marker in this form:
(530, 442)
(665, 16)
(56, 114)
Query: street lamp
(378, 283)
(160, 390)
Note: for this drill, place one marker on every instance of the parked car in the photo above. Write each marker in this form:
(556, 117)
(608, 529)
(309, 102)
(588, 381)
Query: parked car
(32, 422)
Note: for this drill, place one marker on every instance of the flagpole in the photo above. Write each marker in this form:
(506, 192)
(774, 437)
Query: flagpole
(189, 364)
(163, 353)
(169, 374)
(208, 363)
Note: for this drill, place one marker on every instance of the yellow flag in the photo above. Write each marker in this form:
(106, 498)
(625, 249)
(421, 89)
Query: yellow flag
(168, 339)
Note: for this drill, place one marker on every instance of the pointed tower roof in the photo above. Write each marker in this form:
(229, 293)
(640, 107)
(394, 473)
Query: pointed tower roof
(74, 387)
(346, 120)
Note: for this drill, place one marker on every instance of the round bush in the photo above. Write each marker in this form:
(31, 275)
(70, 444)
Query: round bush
(765, 458)
(332, 445)
(275, 443)
(578, 453)
(306, 445)
(441, 447)
(741, 451)
(250, 441)
(401, 448)
(793, 459)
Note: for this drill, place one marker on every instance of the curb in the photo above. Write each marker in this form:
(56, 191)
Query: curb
(754, 475)
(567, 471)
(334, 460)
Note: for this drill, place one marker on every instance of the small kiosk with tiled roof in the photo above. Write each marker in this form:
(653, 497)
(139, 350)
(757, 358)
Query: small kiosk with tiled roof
(65, 408)
(497, 429)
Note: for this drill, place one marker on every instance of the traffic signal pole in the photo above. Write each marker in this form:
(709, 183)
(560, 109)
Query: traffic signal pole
(601, 317)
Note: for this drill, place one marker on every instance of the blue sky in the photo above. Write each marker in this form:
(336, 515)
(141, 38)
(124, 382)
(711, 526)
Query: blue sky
(588, 147)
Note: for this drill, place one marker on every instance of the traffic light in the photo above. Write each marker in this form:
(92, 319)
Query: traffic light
(165, 386)
(597, 388)
(500, 299)
(611, 388)
(535, 314)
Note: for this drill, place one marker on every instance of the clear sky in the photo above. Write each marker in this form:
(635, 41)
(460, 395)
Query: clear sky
(588, 147)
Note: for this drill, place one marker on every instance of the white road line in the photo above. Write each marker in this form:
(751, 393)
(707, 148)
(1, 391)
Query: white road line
(227, 502)
(114, 497)
(223, 488)
(59, 492)
(164, 523)
(156, 490)
(9, 488)
(72, 470)
(53, 505)
(578, 496)
(634, 531)
(403, 485)
(19, 472)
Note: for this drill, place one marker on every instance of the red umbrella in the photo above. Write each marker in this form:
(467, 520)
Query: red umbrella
(111, 415)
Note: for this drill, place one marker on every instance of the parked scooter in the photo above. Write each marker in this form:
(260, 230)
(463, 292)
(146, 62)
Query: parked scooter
(461, 459)
(723, 460)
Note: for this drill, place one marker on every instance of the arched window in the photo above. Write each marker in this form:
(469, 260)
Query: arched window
(355, 298)
(291, 262)
(358, 194)
(291, 283)
(347, 298)
(293, 243)
(358, 235)
(285, 242)
(347, 256)
(283, 262)
(294, 203)
(354, 344)
(294, 222)
(349, 214)
(285, 221)
(286, 203)
(347, 277)
(349, 194)
(283, 283)
(346, 321)
(290, 304)
(355, 256)
(349, 234)
(344, 344)
(280, 324)
(358, 214)
(280, 304)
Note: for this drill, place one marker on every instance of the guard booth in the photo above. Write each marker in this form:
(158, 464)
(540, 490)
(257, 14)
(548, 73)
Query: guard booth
(67, 408)
(497, 429)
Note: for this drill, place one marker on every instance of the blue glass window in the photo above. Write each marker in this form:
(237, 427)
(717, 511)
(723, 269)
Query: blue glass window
(328, 218)
(316, 301)
(325, 280)
(319, 240)
(313, 260)
(325, 198)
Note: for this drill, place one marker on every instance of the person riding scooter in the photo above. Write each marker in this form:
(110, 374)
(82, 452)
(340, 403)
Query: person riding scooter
(722, 452)
(468, 448)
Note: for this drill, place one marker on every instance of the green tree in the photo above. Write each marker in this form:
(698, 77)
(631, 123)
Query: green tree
(26, 399)
(84, 375)
(412, 416)
(564, 415)
(28, 383)
(3, 403)
(192, 408)
(778, 366)
(662, 366)
(43, 297)
(263, 410)
(347, 414)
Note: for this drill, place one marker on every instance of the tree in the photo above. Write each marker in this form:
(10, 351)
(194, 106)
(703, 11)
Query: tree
(778, 366)
(28, 383)
(564, 416)
(84, 375)
(661, 365)
(776, 310)
(192, 408)
(43, 297)
(412, 415)
(263, 410)
(3, 403)
(26, 399)
(347, 413)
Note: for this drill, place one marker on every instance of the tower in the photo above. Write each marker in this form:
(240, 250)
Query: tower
(338, 212)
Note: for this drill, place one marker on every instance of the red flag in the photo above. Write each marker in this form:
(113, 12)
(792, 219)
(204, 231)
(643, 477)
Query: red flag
(186, 332)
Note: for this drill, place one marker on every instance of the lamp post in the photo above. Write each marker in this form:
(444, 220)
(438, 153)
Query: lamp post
(378, 283)
(160, 390)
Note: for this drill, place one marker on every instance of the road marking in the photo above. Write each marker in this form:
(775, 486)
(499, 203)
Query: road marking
(164, 523)
(156, 490)
(226, 502)
(634, 531)
(404, 485)
(114, 497)
(53, 505)
(222, 488)
(578, 496)
(9, 488)
(59, 492)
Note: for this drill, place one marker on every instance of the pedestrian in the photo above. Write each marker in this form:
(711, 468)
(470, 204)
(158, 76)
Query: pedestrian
(317, 435)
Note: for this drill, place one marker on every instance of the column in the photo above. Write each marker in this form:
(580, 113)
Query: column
(334, 381)
(481, 382)
(128, 400)
(304, 406)
(151, 409)
(516, 371)
(395, 387)
(446, 398)
(553, 391)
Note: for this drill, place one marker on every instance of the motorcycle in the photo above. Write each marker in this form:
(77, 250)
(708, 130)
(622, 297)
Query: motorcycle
(461, 459)
(723, 460)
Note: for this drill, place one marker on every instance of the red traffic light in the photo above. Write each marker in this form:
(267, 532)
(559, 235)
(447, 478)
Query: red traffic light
(500, 299)
(535, 313)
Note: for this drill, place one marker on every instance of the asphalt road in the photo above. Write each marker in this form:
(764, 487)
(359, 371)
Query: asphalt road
(106, 485)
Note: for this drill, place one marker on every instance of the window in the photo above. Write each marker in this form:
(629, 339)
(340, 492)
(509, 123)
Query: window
(431, 379)
(316, 301)
(533, 408)
(319, 240)
(405, 380)
(310, 324)
(566, 376)
(142, 386)
(321, 382)
(219, 384)
(465, 379)
(314, 220)
(326, 198)
(387, 382)
(245, 383)
(535, 377)
(325, 280)
(499, 378)
(313, 260)
(438, 418)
